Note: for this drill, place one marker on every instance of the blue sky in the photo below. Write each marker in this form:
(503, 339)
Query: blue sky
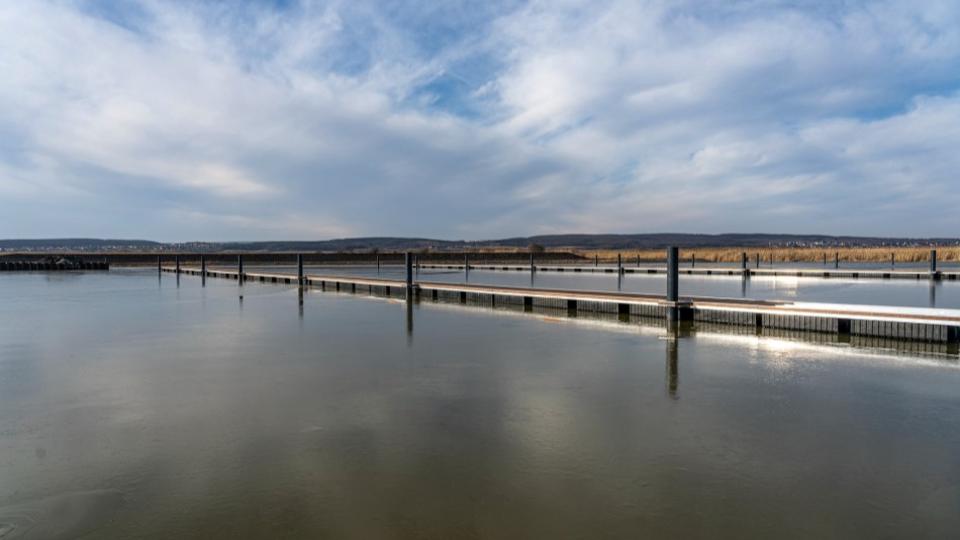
(290, 119)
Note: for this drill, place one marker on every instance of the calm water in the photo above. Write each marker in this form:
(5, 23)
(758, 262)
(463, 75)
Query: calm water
(131, 407)
(893, 292)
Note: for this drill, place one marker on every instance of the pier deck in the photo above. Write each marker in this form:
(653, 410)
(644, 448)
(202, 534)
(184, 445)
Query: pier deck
(916, 324)
(713, 271)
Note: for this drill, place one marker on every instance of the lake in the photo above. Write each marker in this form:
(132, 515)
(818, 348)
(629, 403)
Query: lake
(133, 406)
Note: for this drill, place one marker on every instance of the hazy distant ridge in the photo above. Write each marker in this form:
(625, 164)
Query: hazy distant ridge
(595, 241)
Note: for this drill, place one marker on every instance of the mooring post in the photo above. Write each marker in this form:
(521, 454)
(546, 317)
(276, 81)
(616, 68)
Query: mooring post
(619, 264)
(378, 263)
(673, 282)
(203, 265)
(758, 260)
(177, 261)
(836, 259)
(159, 265)
(693, 260)
(532, 267)
(596, 259)
(466, 263)
(824, 258)
(933, 262)
(638, 260)
(300, 269)
(743, 262)
(408, 263)
(240, 268)
(893, 260)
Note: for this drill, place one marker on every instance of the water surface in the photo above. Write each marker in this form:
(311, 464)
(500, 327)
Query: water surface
(138, 407)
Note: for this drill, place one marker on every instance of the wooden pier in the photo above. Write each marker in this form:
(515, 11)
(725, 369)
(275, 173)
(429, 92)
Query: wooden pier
(899, 323)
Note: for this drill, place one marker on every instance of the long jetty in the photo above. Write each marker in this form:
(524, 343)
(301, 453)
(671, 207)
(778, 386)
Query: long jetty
(899, 323)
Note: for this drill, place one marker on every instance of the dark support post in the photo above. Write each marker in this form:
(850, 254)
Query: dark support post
(893, 260)
(743, 263)
(378, 263)
(532, 267)
(836, 259)
(159, 265)
(239, 268)
(638, 260)
(758, 260)
(673, 273)
(177, 260)
(933, 261)
(824, 258)
(619, 264)
(299, 269)
(466, 263)
(408, 262)
(673, 286)
(693, 260)
(596, 260)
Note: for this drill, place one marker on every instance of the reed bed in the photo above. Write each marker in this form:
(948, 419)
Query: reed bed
(786, 254)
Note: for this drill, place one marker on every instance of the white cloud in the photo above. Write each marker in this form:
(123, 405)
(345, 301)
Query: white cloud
(341, 118)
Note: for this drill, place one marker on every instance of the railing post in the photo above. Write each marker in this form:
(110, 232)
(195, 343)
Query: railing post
(299, 269)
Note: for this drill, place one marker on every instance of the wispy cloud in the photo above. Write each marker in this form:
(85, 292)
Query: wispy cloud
(468, 120)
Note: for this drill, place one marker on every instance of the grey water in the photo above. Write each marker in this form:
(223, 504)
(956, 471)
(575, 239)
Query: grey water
(888, 292)
(134, 405)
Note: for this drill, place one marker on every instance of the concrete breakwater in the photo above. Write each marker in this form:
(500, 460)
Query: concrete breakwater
(49, 266)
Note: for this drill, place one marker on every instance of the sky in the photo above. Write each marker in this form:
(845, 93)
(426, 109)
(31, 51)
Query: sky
(287, 119)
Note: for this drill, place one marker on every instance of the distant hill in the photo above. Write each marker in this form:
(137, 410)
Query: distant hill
(77, 244)
(555, 241)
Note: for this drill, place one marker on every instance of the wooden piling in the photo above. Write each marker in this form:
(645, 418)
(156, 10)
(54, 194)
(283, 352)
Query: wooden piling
(933, 261)
(159, 264)
(177, 262)
(619, 264)
(240, 268)
(299, 269)
(532, 267)
(836, 259)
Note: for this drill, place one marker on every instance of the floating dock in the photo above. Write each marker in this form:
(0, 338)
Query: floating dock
(712, 271)
(900, 323)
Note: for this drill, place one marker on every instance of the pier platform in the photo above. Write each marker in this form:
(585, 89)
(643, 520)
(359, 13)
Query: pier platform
(900, 323)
